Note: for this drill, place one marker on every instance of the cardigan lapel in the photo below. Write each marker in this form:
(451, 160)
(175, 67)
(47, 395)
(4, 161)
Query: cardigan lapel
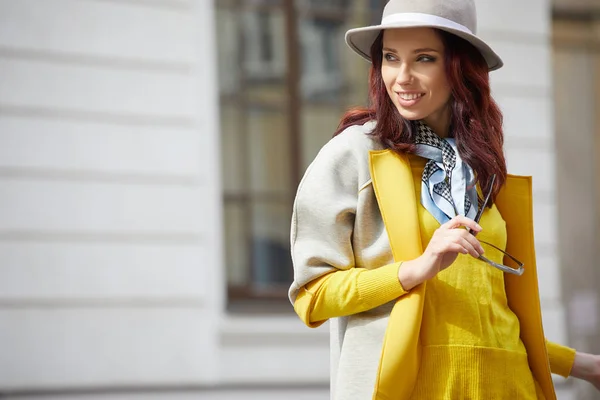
(515, 203)
(399, 363)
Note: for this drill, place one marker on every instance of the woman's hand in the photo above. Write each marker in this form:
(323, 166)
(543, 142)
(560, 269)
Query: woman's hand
(587, 367)
(448, 241)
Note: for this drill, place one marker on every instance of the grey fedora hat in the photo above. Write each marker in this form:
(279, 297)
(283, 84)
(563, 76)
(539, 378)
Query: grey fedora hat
(455, 16)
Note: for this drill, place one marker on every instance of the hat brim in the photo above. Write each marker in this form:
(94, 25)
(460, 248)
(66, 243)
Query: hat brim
(361, 39)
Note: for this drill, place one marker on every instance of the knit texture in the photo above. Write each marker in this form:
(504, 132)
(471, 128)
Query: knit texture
(364, 289)
(561, 358)
(471, 344)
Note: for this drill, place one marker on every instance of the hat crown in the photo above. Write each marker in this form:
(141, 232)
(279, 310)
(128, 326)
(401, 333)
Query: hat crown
(462, 12)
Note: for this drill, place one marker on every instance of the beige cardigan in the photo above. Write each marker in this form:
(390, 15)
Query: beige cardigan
(336, 224)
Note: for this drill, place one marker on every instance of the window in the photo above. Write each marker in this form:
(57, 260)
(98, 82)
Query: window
(285, 80)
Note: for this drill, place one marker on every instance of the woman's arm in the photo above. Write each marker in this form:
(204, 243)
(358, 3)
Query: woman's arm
(348, 292)
(566, 362)
(355, 290)
(327, 282)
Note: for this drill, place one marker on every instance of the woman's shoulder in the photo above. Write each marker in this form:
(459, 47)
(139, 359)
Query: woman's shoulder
(354, 142)
(346, 155)
(360, 137)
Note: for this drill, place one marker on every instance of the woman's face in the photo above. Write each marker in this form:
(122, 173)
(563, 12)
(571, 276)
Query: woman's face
(414, 75)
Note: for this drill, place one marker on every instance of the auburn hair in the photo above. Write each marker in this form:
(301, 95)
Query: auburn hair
(476, 119)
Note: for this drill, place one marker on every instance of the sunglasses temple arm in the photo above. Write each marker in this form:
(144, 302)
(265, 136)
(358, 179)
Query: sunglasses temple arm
(485, 201)
(505, 269)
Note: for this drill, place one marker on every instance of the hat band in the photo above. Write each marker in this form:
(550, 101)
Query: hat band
(426, 19)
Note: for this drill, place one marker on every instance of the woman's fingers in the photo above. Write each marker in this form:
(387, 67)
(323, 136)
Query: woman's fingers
(457, 248)
(469, 247)
(472, 240)
(460, 221)
(451, 238)
(464, 239)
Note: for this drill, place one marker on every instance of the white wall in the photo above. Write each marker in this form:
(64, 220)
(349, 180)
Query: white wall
(109, 194)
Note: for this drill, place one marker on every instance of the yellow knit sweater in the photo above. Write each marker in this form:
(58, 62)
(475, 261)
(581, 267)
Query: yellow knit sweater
(471, 339)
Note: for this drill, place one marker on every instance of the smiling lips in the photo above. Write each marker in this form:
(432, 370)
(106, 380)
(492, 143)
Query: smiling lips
(408, 99)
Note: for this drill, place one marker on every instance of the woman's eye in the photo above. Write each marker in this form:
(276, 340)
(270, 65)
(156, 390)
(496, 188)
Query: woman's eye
(425, 58)
(389, 57)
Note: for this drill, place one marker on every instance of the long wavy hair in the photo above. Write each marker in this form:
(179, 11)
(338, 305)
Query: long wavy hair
(476, 119)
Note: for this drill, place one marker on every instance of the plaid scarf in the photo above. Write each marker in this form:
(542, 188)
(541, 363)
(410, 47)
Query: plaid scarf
(448, 184)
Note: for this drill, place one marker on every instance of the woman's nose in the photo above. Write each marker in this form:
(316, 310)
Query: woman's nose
(404, 75)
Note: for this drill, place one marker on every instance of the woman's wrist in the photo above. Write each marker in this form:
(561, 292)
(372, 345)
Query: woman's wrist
(587, 367)
(409, 274)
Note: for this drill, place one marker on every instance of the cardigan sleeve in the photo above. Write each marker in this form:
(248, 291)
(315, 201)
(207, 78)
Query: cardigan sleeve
(561, 358)
(348, 292)
(327, 283)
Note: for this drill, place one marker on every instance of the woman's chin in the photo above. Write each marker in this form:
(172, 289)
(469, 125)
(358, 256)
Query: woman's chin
(411, 115)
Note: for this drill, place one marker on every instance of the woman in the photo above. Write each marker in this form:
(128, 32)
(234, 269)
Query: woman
(378, 238)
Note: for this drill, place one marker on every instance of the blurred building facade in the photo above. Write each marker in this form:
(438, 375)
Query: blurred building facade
(149, 156)
(576, 62)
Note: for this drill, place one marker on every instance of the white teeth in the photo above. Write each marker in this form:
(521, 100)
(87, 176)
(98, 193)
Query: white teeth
(410, 96)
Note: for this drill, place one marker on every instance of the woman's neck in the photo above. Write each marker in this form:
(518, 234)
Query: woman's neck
(439, 122)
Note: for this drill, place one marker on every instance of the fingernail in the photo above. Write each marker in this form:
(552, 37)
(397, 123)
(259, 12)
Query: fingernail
(479, 227)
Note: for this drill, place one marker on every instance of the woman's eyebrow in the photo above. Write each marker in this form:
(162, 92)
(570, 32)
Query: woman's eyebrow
(420, 50)
(425, 50)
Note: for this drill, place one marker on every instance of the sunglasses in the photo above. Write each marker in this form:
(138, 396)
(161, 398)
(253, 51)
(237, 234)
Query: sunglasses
(518, 268)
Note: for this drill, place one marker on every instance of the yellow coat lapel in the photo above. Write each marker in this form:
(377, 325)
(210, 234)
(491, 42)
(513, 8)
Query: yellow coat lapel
(400, 359)
(515, 203)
